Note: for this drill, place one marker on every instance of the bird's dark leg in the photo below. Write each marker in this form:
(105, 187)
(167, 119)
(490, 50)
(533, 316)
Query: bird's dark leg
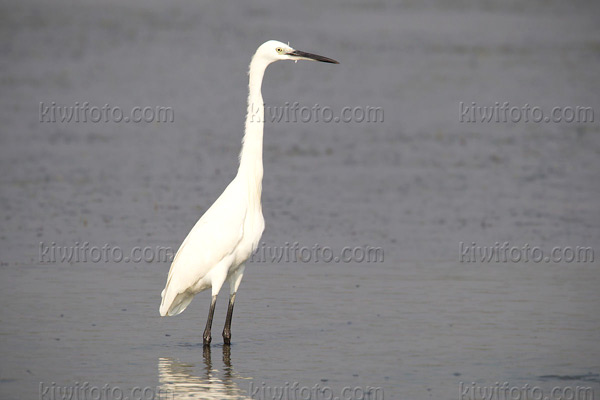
(206, 338)
(227, 328)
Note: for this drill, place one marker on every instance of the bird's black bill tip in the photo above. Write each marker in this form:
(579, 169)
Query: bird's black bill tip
(310, 56)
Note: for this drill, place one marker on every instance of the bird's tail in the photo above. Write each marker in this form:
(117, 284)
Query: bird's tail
(174, 303)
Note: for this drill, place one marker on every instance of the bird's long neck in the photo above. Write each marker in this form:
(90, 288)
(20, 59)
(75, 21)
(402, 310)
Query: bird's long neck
(251, 164)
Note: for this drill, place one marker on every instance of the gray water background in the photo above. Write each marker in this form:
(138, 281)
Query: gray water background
(415, 185)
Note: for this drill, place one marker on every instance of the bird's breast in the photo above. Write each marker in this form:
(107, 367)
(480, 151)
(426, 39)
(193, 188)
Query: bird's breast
(254, 225)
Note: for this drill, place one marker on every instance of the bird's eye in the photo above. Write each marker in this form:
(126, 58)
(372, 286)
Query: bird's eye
(279, 50)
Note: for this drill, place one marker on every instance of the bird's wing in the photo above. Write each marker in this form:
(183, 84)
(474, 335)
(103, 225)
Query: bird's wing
(215, 235)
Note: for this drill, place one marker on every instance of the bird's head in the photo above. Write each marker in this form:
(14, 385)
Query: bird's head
(274, 51)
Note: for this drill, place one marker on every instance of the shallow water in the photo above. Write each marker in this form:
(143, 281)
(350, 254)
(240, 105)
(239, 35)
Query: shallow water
(421, 323)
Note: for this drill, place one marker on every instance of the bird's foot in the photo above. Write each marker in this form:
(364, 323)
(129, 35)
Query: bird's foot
(227, 337)
(206, 339)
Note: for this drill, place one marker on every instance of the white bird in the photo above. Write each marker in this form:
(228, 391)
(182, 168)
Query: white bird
(223, 239)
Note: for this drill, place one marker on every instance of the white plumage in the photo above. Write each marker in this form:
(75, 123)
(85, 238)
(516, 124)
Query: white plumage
(223, 239)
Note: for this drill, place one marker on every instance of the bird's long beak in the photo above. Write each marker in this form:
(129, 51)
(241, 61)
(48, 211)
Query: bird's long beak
(301, 55)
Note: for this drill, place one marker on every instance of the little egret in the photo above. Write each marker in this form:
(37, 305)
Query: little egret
(223, 239)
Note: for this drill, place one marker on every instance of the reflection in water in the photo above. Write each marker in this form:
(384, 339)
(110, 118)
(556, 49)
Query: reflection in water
(178, 380)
